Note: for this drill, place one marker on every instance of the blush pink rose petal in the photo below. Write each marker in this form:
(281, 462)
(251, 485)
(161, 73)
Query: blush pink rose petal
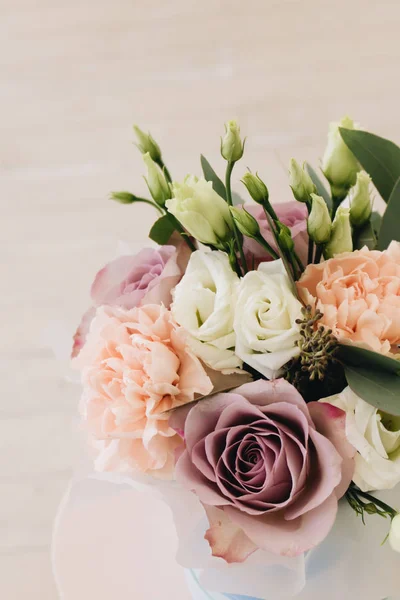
(257, 455)
(133, 280)
(136, 366)
(359, 296)
(293, 214)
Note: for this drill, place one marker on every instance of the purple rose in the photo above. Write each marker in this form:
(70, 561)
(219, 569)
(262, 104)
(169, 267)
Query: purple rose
(129, 281)
(268, 468)
(294, 215)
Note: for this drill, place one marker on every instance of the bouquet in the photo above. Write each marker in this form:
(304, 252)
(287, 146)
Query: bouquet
(248, 367)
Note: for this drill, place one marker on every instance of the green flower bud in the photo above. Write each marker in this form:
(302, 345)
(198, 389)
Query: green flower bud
(256, 187)
(341, 238)
(232, 146)
(245, 222)
(285, 239)
(319, 222)
(203, 213)
(156, 182)
(301, 183)
(146, 143)
(339, 164)
(360, 200)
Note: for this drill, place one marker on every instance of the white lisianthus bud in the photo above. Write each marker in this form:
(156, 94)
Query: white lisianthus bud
(201, 211)
(339, 164)
(301, 183)
(319, 222)
(256, 187)
(341, 239)
(360, 200)
(156, 182)
(146, 143)
(394, 534)
(231, 144)
(245, 222)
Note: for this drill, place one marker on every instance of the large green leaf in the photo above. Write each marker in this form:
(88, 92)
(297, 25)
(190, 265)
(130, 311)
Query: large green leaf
(379, 157)
(321, 189)
(390, 226)
(365, 237)
(210, 175)
(361, 357)
(162, 230)
(379, 388)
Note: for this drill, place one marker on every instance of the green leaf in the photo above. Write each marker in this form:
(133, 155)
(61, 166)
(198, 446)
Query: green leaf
(365, 237)
(162, 230)
(379, 157)
(321, 189)
(361, 357)
(210, 175)
(379, 388)
(390, 227)
(237, 199)
(376, 221)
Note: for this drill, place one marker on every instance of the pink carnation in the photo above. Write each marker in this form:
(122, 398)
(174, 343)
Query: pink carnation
(268, 468)
(135, 367)
(359, 296)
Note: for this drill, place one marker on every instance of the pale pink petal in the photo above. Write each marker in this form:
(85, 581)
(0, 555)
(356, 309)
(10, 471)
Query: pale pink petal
(82, 331)
(226, 540)
(331, 423)
(287, 538)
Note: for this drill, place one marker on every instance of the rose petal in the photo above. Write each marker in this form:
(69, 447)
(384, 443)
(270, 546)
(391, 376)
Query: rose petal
(226, 540)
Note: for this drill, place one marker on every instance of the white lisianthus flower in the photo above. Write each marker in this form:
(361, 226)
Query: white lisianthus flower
(394, 534)
(265, 319)
(203, 303)
(376, 437)
(201, 211)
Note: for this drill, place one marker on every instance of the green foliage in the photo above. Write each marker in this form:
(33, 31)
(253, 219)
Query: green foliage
(379, 157)
(390, 226)
(210, 175)
(162, 230)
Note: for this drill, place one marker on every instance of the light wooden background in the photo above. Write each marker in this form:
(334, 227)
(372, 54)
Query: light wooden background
(74, 77)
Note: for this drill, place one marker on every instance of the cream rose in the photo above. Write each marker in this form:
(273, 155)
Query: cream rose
(203, 303)
(376, 437)
(265, 319)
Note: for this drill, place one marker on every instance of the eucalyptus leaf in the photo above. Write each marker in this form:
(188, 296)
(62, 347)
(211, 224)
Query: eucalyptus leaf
(365, 236)
(162, 230)
(237, 199)
(378, 156)
(210, 175)
(321, 189)
(390, 227)
(381, 389)
(376, 221)
(361, 357)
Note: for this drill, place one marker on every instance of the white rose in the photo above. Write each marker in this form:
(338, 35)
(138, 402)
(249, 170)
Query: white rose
(203, 303)
(394, 534)
(265, 319)
(376, 437)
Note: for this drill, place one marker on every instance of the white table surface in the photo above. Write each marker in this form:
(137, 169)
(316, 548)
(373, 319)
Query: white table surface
(74, 77)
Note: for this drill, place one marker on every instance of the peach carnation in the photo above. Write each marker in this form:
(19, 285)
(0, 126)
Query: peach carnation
(136, 366)
(359, 296)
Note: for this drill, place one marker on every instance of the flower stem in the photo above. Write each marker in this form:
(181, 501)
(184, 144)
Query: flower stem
(263, 242)
(310, 251)
(228, 175)
(318, 255)
(385, 507)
